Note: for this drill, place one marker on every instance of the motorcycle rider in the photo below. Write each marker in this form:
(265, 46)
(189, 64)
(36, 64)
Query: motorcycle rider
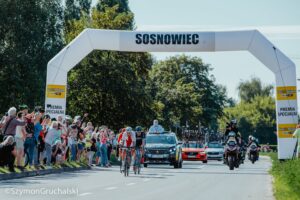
(232, 127)
(251, 140)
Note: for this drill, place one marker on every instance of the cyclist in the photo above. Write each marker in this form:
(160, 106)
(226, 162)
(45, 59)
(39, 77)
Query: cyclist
(139, 144)
(119, 146)
(128, 140)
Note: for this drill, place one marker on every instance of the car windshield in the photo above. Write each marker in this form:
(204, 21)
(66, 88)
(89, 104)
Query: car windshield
(162, 139)
(192, 145)
(214, 145)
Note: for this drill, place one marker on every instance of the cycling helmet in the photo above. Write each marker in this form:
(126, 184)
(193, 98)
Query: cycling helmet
(128, 129)
(138, 128)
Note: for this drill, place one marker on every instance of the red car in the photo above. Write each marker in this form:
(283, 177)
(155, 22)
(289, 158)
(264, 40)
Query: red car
(194, 151)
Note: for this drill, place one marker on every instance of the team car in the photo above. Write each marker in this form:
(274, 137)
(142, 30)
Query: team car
(214, 151)
(194, 151)
(163, 148)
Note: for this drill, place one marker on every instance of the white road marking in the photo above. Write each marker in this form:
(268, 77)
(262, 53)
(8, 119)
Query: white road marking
(84, 194)
(129, 184)
(111, 188)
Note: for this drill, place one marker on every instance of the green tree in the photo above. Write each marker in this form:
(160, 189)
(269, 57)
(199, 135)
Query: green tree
(30, 35)
(110, 85)
(249, 89)
(184, 90)
(256, 116)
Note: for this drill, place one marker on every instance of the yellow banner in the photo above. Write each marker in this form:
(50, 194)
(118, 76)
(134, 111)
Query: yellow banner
(286, 93)
(56, 91)
(286, 130)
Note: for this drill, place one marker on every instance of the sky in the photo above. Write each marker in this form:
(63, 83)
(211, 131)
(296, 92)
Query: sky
(278, 20)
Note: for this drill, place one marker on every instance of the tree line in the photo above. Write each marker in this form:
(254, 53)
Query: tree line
(116, 88)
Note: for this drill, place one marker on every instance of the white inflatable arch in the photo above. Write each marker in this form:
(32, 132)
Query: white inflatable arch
(137, 41)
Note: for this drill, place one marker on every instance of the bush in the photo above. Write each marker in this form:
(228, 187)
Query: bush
(287, 178)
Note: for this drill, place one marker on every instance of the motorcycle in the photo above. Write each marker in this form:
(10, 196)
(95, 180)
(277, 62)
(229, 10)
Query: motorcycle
(253, 153)
(232, 154)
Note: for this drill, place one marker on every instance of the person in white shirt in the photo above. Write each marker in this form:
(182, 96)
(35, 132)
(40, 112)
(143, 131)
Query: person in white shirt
(156, 128)
(52, 135)
(20, 138)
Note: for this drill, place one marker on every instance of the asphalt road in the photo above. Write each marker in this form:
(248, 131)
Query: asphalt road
(194, 181)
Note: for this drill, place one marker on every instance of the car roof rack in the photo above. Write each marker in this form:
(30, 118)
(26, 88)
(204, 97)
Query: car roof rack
(160, 133)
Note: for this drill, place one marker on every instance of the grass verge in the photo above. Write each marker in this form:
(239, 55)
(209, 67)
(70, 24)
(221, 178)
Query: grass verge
(286, 178)
(71, 164)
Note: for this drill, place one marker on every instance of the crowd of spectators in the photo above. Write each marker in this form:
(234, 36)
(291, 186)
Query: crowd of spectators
(39, 141)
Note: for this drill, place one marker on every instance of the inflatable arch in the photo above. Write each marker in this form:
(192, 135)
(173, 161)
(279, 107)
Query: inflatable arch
(138, 41)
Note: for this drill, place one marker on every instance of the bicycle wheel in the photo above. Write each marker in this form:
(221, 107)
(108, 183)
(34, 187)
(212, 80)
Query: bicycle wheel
(121, 170)
(125, 171)
(126, 165)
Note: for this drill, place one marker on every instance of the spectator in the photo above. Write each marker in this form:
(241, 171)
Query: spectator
(37, 130)
(30, 142)
(90, 147)
(10, 122)
(103, 148)
(52, 135)
(72, 141)
(297, 135)
(57, 152)
(24, 109)
(109, 145)
(98, 147)
(8, 153)
(20, 138)
(80, 144)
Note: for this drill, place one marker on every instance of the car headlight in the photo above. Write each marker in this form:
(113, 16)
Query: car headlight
(202, 152)
(172, 150)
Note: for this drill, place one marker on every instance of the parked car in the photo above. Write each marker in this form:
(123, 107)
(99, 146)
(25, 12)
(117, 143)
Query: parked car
(214, 151)
(193, 150)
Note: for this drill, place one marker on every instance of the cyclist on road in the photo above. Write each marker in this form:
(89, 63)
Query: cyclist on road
(119, 147)
(139, 144)
(128, 140)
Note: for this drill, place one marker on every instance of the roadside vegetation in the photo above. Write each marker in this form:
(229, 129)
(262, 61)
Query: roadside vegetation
(69, 164)
(286, 178)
